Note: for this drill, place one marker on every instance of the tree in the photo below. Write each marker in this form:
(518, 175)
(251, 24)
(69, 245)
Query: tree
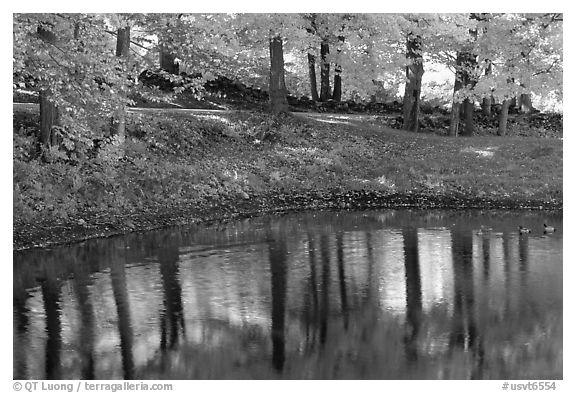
(487, 101)
(312, 75)
(253, 31)
(503, 118)
(312, 29)
(483, 25)
(526, 103)
(414, 72)
(168, 59)
(324, 70)
(526, 59)
(277, 90)
(465, 80)
(337, 92)
(326, 28)
(70, 59)
(49, 117)
(122, 51)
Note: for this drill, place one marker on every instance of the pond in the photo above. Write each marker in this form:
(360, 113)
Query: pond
(382, 294)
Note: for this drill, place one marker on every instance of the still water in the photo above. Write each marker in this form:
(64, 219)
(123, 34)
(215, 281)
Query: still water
(385, 294)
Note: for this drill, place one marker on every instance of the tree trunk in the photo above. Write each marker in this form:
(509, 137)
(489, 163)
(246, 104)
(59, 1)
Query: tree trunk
(168, 60)
(513, 103)
(277, 87)
(526, 103)
(414, 72)
(76, 30)
(49, 118)
(454, 119)
(465, 62)
(503, 119)
(122, 50)
(337, 93)
(487, 106)
(312, 73)
(456, 105)
(458, 83)
(468, 129)
(324, 71)
(123, 42)
(487, 101)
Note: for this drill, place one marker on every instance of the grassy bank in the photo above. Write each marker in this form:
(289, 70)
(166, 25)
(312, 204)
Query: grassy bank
(181, 168)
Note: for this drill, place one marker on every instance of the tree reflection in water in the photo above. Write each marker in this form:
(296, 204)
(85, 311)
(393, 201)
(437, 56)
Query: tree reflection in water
(379, 295)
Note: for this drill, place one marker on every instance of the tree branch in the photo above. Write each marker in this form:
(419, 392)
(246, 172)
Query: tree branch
(115, 34)
(547, 70)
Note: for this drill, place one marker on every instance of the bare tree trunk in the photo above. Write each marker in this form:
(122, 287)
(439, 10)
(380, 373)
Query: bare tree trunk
(487, 101)
(487, 105)
(168, 60)
(49, 116)
(123, 42)
(277, 88)
(312, 74)
(503, 119)
(414, 72)
(337, 93)
(468, 117)
(324, 71)
(122, 50)
(465, 61)
(456, 105)
(454, 119)
(526, 103)
(513, 103)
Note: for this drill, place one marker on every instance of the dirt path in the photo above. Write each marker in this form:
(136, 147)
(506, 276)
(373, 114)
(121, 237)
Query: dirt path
(336, 118)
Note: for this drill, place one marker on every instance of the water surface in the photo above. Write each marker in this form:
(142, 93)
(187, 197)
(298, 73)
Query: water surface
(355, 295)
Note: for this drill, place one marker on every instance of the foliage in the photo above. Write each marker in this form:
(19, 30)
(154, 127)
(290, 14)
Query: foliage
(525, 49)
(77, 65)
(89, 82)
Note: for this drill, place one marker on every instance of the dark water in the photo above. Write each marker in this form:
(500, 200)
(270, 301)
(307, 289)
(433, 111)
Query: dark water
(378, 295)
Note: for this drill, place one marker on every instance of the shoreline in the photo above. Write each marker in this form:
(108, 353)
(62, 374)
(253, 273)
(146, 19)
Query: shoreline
(49, 233)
